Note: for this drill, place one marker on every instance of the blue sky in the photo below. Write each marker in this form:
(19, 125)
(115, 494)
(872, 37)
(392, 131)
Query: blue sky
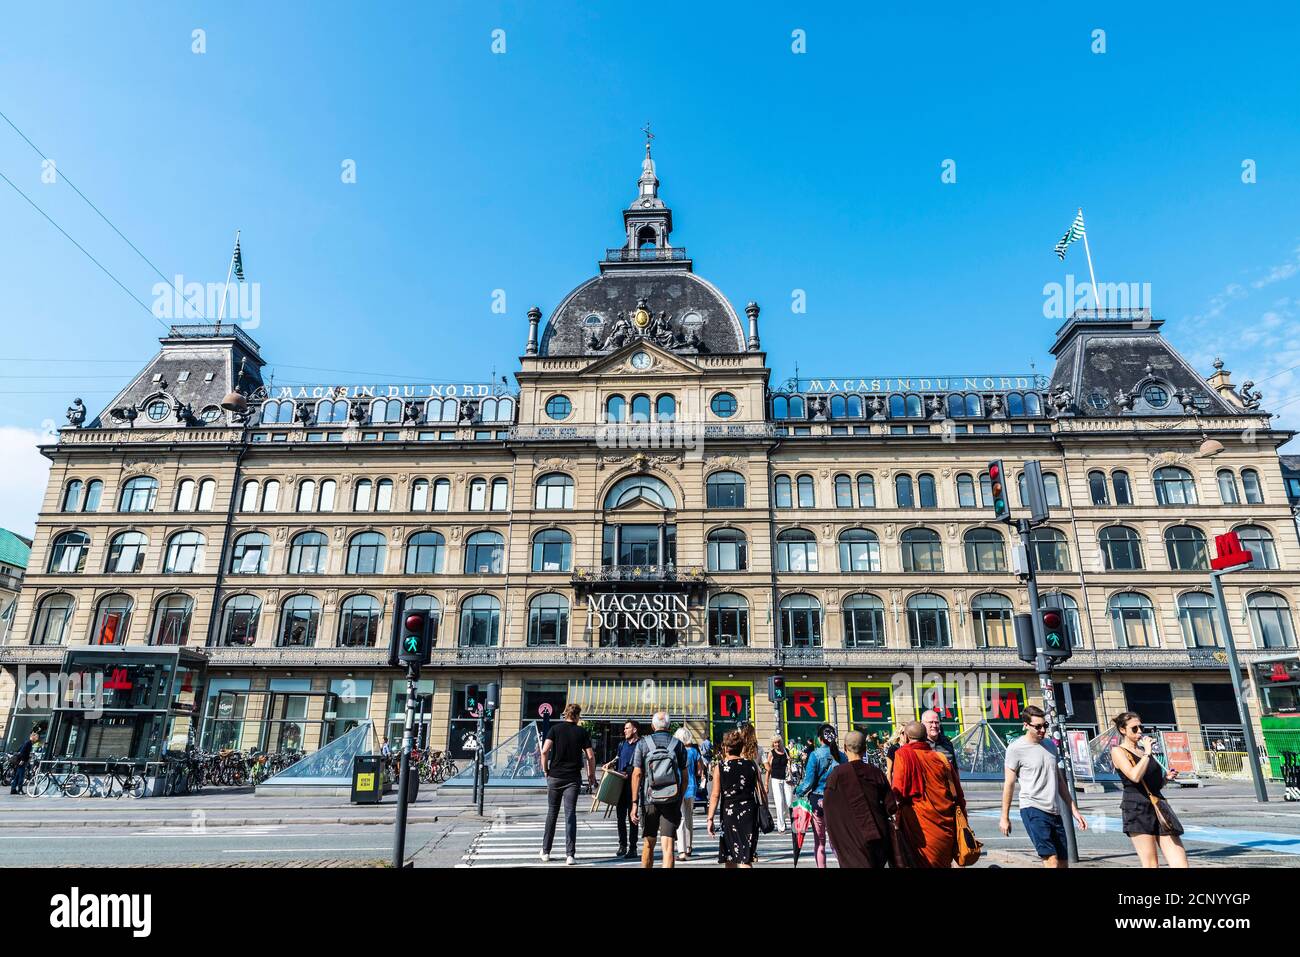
(479, 171)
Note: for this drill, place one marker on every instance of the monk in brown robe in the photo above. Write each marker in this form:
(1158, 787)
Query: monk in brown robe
(857, 804)
(928, 795)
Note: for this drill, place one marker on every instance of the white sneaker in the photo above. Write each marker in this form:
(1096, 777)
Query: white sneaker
(545, 857)
(570, 860)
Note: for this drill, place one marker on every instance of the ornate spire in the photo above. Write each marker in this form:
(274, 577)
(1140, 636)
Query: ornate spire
(647, 220)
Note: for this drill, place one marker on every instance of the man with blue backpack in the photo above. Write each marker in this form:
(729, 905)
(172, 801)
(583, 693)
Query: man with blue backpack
(658, 783)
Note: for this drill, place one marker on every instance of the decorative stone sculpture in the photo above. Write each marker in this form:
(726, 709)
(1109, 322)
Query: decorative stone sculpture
(76, 413)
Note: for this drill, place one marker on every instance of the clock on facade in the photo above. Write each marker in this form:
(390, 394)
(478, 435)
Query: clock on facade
(640, 360)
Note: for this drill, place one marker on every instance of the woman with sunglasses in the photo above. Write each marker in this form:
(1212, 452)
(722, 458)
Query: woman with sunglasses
(1146, 814)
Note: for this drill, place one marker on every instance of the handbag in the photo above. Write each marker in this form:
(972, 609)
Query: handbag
(1169, 823)
(967, 850)
(765, 823)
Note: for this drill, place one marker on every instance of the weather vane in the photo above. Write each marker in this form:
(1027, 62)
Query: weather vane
(648, 135)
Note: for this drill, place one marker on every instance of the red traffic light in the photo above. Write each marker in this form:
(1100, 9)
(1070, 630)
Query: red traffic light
(414, 622)
(1052, 619)
(994, 471)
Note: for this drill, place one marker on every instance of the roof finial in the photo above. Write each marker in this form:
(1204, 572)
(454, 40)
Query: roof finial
(648, 137)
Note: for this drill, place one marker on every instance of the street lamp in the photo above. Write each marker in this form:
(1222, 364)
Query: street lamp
(1232, 556)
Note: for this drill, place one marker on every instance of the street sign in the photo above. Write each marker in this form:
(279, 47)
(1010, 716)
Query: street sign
(1229, 552)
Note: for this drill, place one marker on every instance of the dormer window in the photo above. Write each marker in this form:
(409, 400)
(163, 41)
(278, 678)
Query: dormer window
(157, 410)
(1156, 396)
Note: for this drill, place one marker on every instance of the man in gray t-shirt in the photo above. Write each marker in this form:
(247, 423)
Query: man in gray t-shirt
(1031, 761)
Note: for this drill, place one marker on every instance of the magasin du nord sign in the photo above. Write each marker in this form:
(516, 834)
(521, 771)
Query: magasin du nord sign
(431, 391)
(624, 612)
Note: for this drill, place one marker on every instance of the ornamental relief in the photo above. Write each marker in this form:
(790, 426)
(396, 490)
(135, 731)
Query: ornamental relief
(331, 598)
(723, 462)
(1169, 457)
(828, 532)
(555, 464)
(281, 533)
(149, 466)
(952, 531)
(890, 532)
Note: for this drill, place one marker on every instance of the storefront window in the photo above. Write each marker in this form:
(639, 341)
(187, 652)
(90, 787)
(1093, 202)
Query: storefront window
(351, 707)
(463, 724)
(397, 712)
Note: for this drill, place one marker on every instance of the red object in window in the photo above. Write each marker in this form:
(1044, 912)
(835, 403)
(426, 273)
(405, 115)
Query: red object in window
(804, 702)
(1229, 552)
(108, 632)
(118, 681)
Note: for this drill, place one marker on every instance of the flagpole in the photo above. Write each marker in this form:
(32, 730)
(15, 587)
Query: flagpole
(1091, 274)
(231, 268)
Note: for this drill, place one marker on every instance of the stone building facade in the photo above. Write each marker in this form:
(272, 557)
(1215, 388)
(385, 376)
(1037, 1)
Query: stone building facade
(647, 520)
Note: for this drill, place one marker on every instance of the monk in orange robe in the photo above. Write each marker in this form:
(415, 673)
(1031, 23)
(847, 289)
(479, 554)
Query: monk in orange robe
(928, 797)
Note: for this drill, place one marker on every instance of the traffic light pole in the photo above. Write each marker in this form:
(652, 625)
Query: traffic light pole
(1234, 670)
(403, 778)
(478, 765)
(1044, 669)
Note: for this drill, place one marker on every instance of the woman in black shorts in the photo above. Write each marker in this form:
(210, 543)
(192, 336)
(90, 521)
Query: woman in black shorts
(1142, 778)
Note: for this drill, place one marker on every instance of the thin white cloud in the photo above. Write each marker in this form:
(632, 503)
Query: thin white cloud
(23, 477)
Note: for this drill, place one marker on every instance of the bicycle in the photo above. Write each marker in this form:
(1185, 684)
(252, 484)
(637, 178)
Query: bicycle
(120, 778)
(72, 783)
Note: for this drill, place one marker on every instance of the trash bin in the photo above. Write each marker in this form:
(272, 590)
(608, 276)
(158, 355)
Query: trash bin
(367, 779)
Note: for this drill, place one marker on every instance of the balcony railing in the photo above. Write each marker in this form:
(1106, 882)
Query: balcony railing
(645, 255)
(687, 574)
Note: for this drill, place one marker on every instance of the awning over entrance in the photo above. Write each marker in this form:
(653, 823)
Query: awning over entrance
(611, 698)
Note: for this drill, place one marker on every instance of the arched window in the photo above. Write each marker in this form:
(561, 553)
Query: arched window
(1270, 620)
(927, 622)
(914, 409)
(1259, 541)
(306, 499)
(966, 491)
(554, 490)
(974, 407)
(271, 496)
(922, 550)
(843, 491)
(359, 622)
(171, 620)
(1250, 485)
(299, 622)
(278, 413)
(985, 551)
(478, 495)
(480, 620)
(328, 411)
(307, 554)
(498, 410)
(441, 495)
(615, 409)
(327, 489)
(1174, 486)
(367, 553)
(897, 408)
(1033, 404)
(362, 495)
(801, 622)
(956, 406)
(138, 494)
(1052, 487)
(859, 551)
(1185, 548)
(552, 550)
(645, 487)
(782, 493)
(1015, 404)
(248, 498)
(251, 554)
(1133, 620)
(94, 491)
(866, 491)
(725, 490)
(787, 407)
(548, 620)
(807, 497)
(126, 553)
(986, 490)
(184, 554)
(1051, 551)
(1123, 489)
(728, 621)
(483, 554)
(727, 550)
(991, 615)
(420, 495)
(442, 410)
(68, 553)
(112, 620)
(500, 495)
(239, 620)
(425, 552)
(1098, 491)
(903, 496)
(53, 615)
(1227, 487)
(386, 410)
(384, 495)
(185, 495)
(640, 408)
(1121, 549)
(864, 621)
(1198, 619)
(925, 485)
(796, 551)
(665, 408)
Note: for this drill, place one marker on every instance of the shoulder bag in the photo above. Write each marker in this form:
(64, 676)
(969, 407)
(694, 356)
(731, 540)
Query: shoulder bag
(1169, 823)
(765, 823)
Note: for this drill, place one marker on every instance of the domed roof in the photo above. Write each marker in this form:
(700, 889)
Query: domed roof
(688, 313)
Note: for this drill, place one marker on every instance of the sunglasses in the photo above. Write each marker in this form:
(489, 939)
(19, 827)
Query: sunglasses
(1038, 727)
(1137, 727)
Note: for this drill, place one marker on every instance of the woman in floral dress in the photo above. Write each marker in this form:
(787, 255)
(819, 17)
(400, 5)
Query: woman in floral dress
(735, 793)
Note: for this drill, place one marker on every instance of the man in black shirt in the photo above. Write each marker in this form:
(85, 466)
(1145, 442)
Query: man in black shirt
(567, 743)
(23, 761)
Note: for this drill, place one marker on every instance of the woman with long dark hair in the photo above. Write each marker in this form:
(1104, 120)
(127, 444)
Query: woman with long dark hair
(1149, 821)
